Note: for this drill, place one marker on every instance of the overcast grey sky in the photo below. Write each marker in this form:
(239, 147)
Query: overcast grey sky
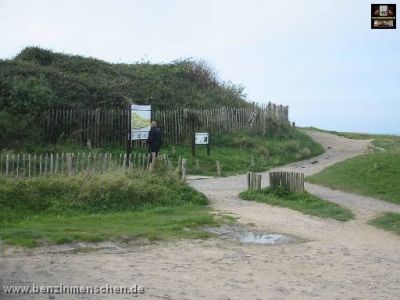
(319, 57)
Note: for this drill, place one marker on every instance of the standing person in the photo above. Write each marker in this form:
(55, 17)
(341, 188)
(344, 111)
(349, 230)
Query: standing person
(154, 143)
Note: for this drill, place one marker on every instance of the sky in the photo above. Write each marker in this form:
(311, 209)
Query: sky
(319, 57)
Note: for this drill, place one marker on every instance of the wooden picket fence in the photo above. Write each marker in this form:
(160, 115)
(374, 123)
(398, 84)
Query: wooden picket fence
(291, 181)
(254, 181)
(110, 126)
(32, 165)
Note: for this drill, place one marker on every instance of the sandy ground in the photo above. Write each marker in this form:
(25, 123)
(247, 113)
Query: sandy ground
(334, 260)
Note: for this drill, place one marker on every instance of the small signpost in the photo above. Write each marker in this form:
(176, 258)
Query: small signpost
(201, 138)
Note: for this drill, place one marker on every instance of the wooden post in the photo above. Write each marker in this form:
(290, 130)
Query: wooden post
(184, 170)
(145, 159)
(69, 163)
(40, 165)
(248, 180)
(152, 157)
(46, 164)
(34, 164)
(51, 163)
(23, 165)
(125, 162)
(259, 177)
(17, 165)
(129, 137)
(29, 165)
(7, 164)
(219, 168)
(293, 182)
(194, 144)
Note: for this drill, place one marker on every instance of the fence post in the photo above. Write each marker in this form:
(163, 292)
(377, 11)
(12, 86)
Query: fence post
(259, 182)
(219, 168)
(7, 164)
(184, 170)
(29, 165)
(69, 163)
(293, 182)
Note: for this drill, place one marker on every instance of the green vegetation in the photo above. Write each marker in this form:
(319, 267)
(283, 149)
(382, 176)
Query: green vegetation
(389, 221)
(389, 144)
(98, 207)
(375, 174)
(238, 152)
(384, 141)
(303, 202)
(38, 79)
(355, 135)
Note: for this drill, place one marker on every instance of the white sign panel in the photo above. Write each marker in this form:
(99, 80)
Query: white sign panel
(201, 138)
(140, 121)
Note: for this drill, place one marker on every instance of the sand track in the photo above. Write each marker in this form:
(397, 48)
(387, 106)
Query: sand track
(337, 260)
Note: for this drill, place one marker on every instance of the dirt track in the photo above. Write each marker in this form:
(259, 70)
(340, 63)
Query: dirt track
(337, 260)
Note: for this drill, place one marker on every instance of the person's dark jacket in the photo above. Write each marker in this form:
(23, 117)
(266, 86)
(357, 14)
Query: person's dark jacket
(154, 139)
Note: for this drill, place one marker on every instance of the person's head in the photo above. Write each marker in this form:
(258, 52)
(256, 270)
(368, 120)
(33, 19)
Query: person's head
(153, 124)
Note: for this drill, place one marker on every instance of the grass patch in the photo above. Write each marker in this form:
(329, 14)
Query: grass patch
(153, 224)
(239, 153)
(389, 144)
(100, 207)
(303, 202)
(389, 221)
(375, 174)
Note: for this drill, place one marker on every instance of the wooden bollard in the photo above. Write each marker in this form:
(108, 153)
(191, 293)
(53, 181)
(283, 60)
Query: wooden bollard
(218, 168)
(184, 170)
(253, 181)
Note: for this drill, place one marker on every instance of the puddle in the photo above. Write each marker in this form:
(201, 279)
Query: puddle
(244, 235)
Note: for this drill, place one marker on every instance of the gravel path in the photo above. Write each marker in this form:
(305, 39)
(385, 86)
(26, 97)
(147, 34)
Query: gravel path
(334, 260)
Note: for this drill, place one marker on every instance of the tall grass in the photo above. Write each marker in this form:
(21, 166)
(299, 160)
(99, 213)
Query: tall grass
(133, 204)
(115, 191)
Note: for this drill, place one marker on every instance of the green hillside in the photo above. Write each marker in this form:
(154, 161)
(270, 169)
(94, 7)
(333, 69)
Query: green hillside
(38, 79)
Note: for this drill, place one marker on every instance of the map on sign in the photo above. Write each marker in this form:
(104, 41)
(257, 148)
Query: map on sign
(140, 121)
(201, 138)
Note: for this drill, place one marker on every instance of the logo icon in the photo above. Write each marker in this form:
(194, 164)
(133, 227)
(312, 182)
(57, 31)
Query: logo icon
(383, 16)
